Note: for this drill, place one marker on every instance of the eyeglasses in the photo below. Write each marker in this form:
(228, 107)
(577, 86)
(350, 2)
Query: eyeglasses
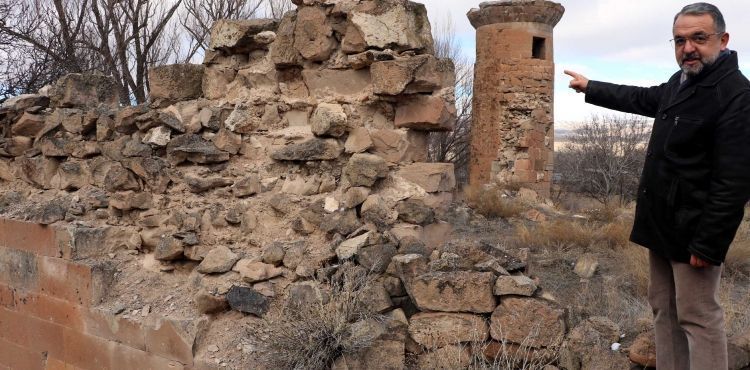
(695, 39)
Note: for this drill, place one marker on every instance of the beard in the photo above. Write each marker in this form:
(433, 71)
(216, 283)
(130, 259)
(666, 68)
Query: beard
(696, 69)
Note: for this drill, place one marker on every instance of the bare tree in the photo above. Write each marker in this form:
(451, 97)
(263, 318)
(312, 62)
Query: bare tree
(604, 157)
(453, 146)
(277, 8)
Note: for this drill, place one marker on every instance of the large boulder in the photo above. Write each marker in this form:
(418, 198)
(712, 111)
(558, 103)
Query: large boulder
(241, 36)
(78, 90)
(438, 329)
(534, 322)
(313, 35)
(454, 291)
(420, 74)
(176, 82)
(426, 112)
(365, 169)
(395, 24)
(432, 177)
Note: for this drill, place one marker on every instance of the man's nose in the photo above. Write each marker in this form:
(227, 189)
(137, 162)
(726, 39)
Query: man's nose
(689, 47)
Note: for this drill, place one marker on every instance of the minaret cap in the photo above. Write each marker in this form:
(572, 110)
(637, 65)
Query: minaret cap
(505, 11)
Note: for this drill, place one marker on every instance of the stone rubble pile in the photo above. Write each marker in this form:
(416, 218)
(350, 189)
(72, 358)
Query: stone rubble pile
(296, 146)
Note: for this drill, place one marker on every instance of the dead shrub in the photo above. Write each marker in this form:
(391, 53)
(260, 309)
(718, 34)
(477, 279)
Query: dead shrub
(562, 234)
(314, 335)
(493, 201)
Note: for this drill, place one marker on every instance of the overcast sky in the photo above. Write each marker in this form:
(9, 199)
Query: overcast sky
(611, 40)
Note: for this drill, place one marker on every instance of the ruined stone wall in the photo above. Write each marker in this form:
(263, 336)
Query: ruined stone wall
(512, 131)
(294, 146)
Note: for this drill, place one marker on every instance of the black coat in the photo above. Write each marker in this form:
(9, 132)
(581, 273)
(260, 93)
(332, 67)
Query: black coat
(696, 177)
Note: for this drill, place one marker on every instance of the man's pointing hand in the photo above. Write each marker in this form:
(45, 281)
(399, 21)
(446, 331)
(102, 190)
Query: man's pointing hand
(578, 83)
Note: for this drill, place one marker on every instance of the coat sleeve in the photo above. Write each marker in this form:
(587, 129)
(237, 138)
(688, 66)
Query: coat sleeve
(643, 101)
(730, 183)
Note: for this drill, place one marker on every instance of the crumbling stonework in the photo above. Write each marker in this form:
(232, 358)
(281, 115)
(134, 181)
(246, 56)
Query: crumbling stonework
(512, 132)
(244, 185)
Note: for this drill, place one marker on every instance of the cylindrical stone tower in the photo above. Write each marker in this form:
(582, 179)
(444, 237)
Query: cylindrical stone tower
(512, 137)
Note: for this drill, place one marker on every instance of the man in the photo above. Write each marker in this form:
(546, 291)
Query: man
(694, 185)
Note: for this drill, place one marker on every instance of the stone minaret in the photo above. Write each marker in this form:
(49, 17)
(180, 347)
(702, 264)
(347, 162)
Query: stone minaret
(513, 133)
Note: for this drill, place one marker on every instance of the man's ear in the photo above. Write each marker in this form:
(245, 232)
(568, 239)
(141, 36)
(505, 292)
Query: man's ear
(724, 40)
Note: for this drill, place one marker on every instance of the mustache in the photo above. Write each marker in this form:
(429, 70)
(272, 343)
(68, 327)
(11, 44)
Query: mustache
(691, 56)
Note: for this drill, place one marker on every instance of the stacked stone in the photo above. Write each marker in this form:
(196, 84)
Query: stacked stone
(512, 132)
(295, 147)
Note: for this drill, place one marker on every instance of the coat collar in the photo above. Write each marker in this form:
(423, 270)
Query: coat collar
(724, 66)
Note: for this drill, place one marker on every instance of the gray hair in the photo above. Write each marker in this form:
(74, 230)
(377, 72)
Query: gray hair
(705, 8)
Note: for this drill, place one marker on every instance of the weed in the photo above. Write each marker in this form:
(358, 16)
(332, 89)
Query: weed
(493, 201)
(312, 336)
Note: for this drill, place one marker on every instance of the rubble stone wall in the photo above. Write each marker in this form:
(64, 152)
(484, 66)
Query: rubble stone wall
(296, 145)
(512, 131)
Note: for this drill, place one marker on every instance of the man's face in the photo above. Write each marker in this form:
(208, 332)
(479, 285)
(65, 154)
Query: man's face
(697, 43)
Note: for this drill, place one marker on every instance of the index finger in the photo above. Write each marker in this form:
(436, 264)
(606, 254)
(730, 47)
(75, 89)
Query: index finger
(571, 73)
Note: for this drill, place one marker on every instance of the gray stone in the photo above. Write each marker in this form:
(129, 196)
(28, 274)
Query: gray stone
(329, 120)
(273, 254)
(355, 196)
(169, 248)
(158, 136)
(311, 150)
(119, 178)
(247, 300)
(201, 184)
(365, 169)
(194, 149)
(153, 171)
(377, 210)
(376, 258)
(414, 211)
(85, 91)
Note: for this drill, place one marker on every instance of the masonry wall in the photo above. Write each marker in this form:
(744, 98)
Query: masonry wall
(48, 318)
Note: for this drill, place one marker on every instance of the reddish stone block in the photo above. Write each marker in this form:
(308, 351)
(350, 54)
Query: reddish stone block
(522, 165)
(7, 294)
(32, 333)
(38, 239)
(105, 325)
(13, 356)
(18, 269)
(74, 282)
(56, 364)
(173, 340)
(87, 352)
(50, 309)
(126, 357)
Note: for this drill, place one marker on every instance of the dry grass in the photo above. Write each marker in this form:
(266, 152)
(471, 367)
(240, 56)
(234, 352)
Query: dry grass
(492, 202)
(567, 234)
(314, 335)
(738, 258)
